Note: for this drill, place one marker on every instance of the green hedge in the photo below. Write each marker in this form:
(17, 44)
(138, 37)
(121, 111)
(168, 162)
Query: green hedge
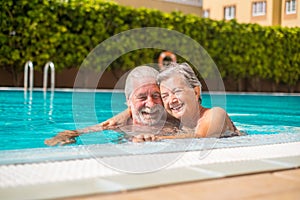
(66, 31)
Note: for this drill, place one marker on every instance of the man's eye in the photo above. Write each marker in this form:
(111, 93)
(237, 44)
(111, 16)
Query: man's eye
(142, 98)
(156, 96)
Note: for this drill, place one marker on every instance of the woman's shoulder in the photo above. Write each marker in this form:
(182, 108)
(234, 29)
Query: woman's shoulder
(213, 111)
(218, 109)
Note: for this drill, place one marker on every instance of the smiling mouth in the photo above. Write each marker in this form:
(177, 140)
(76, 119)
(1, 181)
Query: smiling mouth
(177, 108)
(150, 113)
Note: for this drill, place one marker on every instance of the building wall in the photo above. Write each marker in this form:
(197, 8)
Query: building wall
(290, 20)
(243, 11)
(216, 8)
(272, 17)
(275, 12)
(275, 9)
(194, 7)
(277, 19)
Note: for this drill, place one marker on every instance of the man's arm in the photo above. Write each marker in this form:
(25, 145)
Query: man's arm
(69, 136)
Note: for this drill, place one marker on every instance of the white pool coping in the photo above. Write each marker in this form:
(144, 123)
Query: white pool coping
(92, 176)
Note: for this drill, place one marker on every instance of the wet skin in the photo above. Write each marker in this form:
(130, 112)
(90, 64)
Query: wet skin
(145, 110)
(180, 100)
(146, 105)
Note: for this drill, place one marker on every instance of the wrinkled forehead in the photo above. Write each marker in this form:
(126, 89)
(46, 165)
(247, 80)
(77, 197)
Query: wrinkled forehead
(174, 81)
(141, 81)
(145, 89)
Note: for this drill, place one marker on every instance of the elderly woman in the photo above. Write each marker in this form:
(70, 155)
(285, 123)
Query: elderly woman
(181, 94)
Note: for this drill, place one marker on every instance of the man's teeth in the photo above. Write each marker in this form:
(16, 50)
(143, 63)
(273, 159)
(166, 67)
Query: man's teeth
(149, 113)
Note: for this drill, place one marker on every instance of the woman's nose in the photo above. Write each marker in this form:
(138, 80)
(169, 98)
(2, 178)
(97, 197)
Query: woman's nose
(173, 97)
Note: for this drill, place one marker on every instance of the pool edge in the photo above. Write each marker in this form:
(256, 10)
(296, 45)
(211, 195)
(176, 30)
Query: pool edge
(181, 174)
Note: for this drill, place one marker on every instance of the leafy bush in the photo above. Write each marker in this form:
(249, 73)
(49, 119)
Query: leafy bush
(65, 31)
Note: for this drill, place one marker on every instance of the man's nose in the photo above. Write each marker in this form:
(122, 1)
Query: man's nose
(150, 102)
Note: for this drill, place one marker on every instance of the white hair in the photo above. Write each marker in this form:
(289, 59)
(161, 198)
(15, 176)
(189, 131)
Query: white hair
(185, 70)
(138, 77)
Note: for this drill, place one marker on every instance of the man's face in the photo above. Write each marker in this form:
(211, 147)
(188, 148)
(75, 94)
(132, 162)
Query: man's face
(146, 105)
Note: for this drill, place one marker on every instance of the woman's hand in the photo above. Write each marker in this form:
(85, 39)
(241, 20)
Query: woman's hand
(145, 138)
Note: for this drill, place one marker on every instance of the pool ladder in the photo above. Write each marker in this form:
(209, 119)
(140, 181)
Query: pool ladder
(52, 81)
(30, 66)
(45, 81)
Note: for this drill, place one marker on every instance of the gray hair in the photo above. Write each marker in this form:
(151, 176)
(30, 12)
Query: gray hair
(139, 76)
(185, 70)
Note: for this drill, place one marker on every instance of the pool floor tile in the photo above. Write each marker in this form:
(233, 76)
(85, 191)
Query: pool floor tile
(242, 167)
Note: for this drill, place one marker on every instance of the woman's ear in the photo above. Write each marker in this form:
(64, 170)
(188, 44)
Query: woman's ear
(197, 92)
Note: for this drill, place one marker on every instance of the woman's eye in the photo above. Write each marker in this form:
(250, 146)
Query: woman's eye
(178, 91)
(164, 96)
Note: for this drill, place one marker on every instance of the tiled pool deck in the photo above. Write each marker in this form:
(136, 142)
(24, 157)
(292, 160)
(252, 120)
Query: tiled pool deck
(281, 185)
(253, 172)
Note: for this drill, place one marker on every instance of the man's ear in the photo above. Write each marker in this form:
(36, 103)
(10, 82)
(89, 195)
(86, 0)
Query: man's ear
(129, 107)
(128, 104)
(197, 92)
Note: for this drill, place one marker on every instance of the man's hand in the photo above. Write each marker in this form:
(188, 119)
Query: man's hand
(62, 138)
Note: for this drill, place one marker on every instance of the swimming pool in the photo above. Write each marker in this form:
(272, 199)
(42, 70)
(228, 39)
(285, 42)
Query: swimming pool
(26, 121)
(98, 159)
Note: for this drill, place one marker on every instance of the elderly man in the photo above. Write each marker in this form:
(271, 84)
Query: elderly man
(145, 111)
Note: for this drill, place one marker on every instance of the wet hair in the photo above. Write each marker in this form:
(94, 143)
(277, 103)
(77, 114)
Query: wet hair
(139, 76)
(183, 69)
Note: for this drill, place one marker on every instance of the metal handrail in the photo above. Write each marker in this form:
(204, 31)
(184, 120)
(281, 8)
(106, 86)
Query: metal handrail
(52, 83)
(30, 65)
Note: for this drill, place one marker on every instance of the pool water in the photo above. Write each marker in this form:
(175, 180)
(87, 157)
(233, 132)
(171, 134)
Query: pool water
(26, 120)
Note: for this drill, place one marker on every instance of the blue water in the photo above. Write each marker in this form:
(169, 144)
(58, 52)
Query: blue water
(26, 121)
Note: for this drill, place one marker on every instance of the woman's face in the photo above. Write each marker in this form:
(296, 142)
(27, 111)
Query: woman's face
(179, 99)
